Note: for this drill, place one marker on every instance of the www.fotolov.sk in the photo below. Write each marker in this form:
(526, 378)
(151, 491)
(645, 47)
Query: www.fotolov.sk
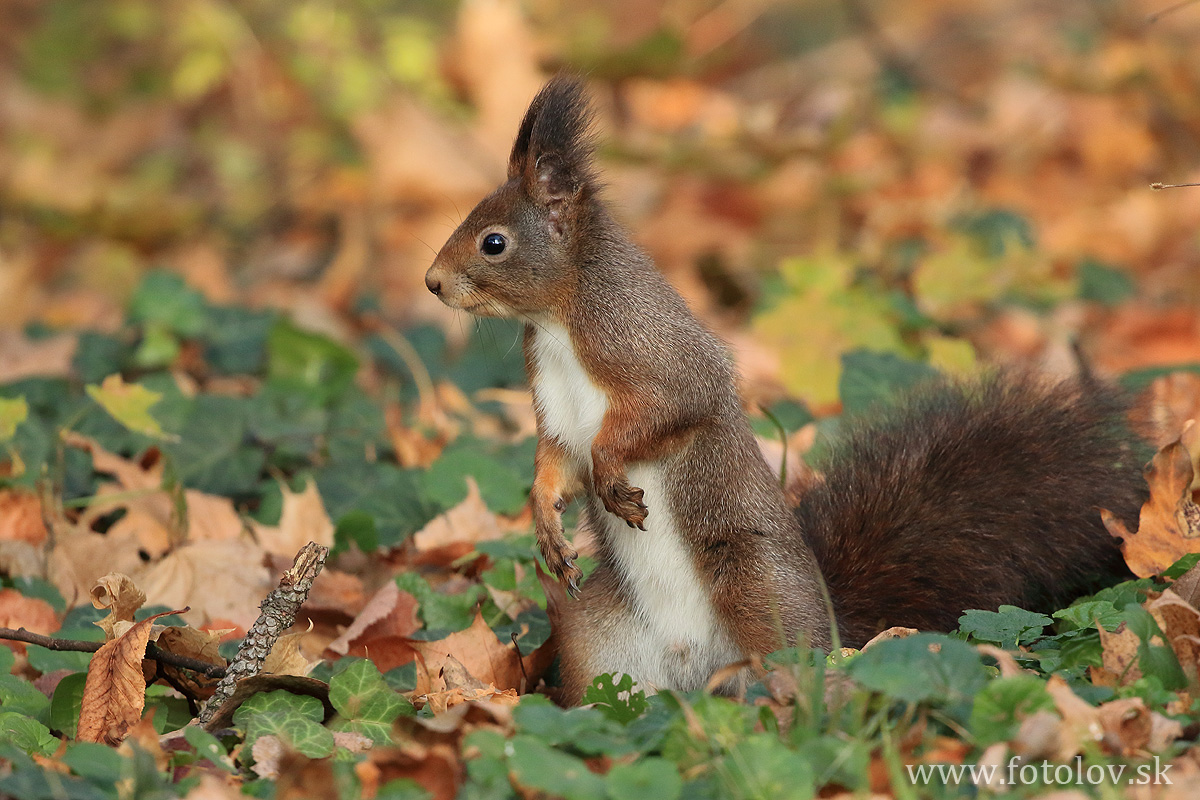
(1046, 773)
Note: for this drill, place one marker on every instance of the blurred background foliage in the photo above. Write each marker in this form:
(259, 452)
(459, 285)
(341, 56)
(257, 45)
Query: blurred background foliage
(940, 179)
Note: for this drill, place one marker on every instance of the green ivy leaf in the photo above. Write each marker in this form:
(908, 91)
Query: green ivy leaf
(165, 302)
(66, 703)
(365, 701)
(308, 364)
(295, 719)
(208, 747)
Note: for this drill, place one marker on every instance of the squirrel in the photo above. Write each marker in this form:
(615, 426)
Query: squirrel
(969, 496)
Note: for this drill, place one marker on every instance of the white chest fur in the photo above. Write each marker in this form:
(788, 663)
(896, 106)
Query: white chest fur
(571, 406)
(680, 642)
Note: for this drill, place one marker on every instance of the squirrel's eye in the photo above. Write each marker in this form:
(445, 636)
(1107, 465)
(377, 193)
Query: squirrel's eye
(493, 244)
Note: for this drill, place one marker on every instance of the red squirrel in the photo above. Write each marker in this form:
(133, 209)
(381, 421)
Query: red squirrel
(970, 496)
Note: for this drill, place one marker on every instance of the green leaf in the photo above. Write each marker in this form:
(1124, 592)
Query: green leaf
(504, 474)
(13, 411)
(1008, 627)
(308, 364)
(1003, 704)
(870, 379)
(538, 766)
(208, 747)
(66, 704)
(586, 730)
(616, 699)
(295, 719)
(1085, 613)
(28, 734)
(996, 230)
(441, 612)
(21, 696)
(763, 767)
(923, 667)
(367, 703)
(388, 494)
(129, 404)
(212, 453)
(1104, 284)
(646, 777)
(96, 762)
(164, 301)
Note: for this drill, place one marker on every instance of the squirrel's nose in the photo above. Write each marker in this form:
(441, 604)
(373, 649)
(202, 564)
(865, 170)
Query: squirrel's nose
(432, 283)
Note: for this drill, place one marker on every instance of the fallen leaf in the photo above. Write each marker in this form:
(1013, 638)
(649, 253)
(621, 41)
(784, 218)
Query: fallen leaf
(1119, 658)
(1169, 524)
(21, 516)
(22, 357)
(381, 630)
(451, 535)
(1164, 407)
(1179, 621)
(302, 520)
(31, 613)
(286, 658)
(477, 649)
(129, 404)
(216, 580)
(115, 691)
(13, 411)
(121, 596)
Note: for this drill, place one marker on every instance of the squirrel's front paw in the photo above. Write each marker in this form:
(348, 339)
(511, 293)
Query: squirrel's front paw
(625, 501)
(560, 558)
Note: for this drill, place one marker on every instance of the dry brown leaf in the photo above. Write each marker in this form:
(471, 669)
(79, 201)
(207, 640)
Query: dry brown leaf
(115, 692)
(1180, 623)
(121, 596)
(193, 643)
(436, 767)
(303, 520)
(453, 534)
(216, 786)
(303, 778)
(1169, 525)
(477, 649)
(22, 357)
(286, 658)
(21, 517)
(30, 613)
(217, 580)
(1119, 656)
(381, 630)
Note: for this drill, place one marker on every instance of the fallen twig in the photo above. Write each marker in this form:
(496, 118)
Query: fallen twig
(79, 646)
(279, 610)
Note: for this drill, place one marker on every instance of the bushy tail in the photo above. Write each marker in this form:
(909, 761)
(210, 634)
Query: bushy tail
(972, 495)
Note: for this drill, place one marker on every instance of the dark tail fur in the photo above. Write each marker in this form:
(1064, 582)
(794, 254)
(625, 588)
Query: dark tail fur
(972, 496)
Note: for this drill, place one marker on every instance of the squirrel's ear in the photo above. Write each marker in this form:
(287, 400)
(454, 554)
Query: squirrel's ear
(552, 154)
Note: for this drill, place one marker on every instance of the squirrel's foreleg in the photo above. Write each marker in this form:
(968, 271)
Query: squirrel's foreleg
(555, 483)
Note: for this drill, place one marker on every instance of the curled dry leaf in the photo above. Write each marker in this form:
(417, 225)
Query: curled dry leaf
(1169, 525)
(1123, 727)
(1161, 411)
(21, 517)
(1004, 660)
(30, 613)
(115, 691)
(891, 633)
(121, 596)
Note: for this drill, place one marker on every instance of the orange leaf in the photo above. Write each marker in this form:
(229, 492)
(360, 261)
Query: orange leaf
(479, 651)
(30, 613)
(21, 516)
(1169, 526)
(115, 692)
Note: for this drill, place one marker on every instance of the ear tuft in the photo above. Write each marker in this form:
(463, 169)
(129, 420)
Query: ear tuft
(553, 148)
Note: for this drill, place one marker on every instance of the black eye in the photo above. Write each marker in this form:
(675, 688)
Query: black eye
(493, 244)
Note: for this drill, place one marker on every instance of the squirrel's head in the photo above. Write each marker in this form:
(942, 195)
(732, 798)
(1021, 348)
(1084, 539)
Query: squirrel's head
(513, 254)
